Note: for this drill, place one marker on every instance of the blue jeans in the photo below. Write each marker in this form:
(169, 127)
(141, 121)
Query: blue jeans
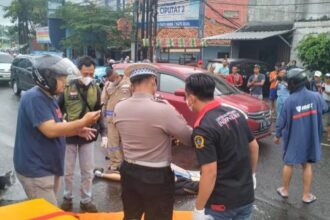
(241, 213)
(279, 105)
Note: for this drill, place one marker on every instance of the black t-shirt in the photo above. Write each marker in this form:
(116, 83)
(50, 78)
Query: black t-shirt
(222, 135)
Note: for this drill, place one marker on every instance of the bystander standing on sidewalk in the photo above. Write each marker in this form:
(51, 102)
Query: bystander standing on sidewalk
(272, 89)
(256, 83)
(234, 78)
(316, 84)
(326, 96)
(282, 92)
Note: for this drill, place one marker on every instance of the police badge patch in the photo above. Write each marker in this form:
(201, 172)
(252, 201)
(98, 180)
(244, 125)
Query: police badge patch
(199, 142)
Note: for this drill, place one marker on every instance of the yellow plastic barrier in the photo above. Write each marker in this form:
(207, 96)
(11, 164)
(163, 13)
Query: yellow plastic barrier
(40, 209)
(177, 215)
(32, 209)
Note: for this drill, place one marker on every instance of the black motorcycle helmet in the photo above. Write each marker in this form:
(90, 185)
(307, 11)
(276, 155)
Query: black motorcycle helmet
(47, 68)
(296, 79)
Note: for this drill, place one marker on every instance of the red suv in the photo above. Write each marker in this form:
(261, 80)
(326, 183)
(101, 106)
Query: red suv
(171, 84)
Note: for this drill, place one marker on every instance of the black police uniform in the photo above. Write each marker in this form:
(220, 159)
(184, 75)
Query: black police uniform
(221, 134)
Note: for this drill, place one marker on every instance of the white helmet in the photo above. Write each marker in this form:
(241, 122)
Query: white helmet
(318, 73)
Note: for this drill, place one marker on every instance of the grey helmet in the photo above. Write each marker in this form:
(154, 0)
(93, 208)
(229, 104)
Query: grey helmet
(47, 68)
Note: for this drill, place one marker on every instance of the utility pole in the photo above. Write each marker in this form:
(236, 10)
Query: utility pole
(201, 26)
(155, 30)
(136, 17)
(151, 22)
(145, 49)
(143, 25)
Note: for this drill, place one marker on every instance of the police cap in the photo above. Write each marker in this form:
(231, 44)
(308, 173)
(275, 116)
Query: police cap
(140, 69)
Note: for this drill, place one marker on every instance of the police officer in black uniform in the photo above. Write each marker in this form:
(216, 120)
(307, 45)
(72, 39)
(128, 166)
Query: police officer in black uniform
(226, 151)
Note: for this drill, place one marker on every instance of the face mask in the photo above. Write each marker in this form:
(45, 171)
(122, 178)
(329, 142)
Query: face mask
(86, 80)
(189, 106)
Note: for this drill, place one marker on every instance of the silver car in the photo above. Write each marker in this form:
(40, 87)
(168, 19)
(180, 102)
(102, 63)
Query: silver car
(5, 63)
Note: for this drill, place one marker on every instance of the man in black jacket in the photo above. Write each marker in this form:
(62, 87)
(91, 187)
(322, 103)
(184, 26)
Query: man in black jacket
(226, 151)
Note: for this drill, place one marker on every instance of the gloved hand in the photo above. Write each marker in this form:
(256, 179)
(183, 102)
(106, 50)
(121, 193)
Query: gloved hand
(254, 181)
(200, 215)
(104, 142)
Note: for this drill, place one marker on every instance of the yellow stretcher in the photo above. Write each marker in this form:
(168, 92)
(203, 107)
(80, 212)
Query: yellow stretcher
(40, 209)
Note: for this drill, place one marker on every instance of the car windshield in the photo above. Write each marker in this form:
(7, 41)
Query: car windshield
(4, 58)
(222, 87)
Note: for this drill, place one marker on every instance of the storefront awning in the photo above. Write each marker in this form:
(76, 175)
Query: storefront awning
(247, 35)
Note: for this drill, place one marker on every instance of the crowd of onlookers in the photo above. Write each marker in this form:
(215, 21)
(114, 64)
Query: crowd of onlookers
(278, 88)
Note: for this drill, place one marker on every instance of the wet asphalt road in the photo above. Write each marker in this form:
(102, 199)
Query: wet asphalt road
(268, 204)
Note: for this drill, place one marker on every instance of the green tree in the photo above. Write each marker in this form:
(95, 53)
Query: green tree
(314, 51)
(92, 26)
(28, 14)
(8, 35)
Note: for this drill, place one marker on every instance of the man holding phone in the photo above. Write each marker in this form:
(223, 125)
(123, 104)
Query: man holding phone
(40, 143)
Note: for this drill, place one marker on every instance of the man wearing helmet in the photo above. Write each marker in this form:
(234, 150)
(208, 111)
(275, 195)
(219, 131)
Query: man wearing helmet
(300, 125)
(40, 143)
(81, 96)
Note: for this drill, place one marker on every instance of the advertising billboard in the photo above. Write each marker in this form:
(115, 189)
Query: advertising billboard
(42, 34)
(180, 13)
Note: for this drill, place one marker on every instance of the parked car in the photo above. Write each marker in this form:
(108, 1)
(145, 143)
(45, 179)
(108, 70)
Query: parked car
(5, 63)
(21, 73)
(171, 84)
(246, 67)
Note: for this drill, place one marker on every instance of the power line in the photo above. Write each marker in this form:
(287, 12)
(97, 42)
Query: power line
(237, 25)
(292, 12)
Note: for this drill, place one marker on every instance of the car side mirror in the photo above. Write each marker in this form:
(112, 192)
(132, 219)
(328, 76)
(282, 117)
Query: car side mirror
(180, 92)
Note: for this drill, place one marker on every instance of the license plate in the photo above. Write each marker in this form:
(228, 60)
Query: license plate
(264, 124)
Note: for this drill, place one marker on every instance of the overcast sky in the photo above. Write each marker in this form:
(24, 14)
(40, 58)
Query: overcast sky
(6, 21)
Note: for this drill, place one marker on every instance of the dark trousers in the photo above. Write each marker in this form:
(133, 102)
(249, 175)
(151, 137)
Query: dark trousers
(147, 190)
